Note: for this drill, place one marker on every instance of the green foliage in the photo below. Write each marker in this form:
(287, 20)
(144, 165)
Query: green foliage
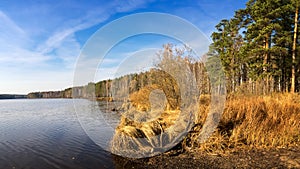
(256, 45)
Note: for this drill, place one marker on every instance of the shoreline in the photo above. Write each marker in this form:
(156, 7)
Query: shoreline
(240, 158)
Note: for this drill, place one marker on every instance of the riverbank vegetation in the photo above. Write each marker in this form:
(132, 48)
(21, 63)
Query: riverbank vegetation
(250, 121)
(259, 53)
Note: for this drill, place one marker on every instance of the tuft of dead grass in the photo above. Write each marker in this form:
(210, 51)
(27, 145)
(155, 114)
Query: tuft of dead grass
(150, 125)
(250, 121)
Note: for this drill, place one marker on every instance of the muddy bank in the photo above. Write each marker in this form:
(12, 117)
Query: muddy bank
(243, 158)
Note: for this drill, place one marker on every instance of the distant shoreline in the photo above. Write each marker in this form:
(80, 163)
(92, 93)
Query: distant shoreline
(12, 96)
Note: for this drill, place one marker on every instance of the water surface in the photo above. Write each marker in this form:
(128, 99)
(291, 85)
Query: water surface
(46, 133)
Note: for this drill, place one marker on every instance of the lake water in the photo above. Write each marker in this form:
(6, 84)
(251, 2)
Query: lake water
(46, 133)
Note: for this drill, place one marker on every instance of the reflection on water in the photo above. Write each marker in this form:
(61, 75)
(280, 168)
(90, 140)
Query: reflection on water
(46, 133)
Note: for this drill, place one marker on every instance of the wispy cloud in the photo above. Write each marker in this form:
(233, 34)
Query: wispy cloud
(124, 6)
(10, 33)
(95, 16)
(14, 42)
(29, 58)
(55, 40)
(130, 62)
(40, 43)
(7, 23)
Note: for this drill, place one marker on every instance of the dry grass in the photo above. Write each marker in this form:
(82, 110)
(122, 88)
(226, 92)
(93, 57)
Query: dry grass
(251, 121)
(247, 122)
(150, 125)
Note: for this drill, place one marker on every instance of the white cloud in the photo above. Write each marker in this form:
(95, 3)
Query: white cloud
(124, 6)
(31, 62)
(10, 33)
(95, 16)
(105, 73)
(58, 37)
(16, 82)
(14, 43)
(8, 24)
(68, 51)
(22, 56)
(132, 62)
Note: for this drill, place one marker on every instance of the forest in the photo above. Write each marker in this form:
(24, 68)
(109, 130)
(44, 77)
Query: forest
(259, 47)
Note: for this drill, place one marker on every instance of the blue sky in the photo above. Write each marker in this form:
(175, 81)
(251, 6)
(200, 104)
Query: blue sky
(41, 40)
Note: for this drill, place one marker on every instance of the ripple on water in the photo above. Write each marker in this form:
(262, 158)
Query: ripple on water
(46, 134)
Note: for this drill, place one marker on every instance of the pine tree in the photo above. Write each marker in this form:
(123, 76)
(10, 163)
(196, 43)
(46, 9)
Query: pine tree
(260, 44)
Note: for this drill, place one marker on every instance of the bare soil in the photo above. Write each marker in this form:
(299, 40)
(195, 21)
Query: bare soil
(243, 158)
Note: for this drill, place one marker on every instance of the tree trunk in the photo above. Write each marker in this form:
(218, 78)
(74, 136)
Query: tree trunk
(266, 62)
(294, 51)
(266, 55)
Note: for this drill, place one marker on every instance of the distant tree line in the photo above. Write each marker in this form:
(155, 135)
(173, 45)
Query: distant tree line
(12, 96)
(122, 87)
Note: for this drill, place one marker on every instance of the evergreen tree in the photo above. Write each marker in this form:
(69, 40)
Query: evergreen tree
(260, 44)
